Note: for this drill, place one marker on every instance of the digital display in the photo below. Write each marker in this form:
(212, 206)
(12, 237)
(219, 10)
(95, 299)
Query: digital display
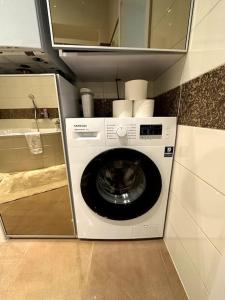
(150, 130)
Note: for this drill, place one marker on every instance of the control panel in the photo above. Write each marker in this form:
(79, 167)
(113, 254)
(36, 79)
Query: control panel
(115, 131)
(139, 131)
(121, 132)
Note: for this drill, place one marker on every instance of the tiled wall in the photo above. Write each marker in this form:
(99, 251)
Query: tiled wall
(16, 105)
(206, 49)
(195, 229)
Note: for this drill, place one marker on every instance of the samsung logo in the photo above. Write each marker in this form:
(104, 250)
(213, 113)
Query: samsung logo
(80, 125)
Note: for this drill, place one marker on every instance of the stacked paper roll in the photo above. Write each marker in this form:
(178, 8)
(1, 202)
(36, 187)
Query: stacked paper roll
(122, 108)
(136, 89)
(143, 108)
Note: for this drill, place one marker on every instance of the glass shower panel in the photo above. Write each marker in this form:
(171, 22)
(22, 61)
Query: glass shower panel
(34, 195)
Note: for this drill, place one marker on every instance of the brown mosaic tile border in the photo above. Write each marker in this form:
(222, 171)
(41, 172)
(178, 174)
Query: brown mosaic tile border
(27, 113)
(167, 104)
(203, 100)
(103, 108)
(199, 102)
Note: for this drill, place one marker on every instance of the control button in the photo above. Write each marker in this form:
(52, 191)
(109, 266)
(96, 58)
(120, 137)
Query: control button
(121, 131)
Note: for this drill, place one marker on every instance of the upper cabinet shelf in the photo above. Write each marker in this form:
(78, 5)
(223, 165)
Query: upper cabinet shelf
(120, 25)
(107, 66)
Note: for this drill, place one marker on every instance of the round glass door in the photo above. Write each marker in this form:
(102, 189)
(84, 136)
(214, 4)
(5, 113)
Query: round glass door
(121, 184)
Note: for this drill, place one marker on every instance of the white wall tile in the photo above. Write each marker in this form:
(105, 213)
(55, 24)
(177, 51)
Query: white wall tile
(203, 203)
(201, 150)
(202, 9)
(190, 278)
(204, 256)
(218, 291)
(170, 79)
(206, 49)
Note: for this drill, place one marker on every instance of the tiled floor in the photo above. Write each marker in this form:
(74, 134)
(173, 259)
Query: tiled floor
(73, 269)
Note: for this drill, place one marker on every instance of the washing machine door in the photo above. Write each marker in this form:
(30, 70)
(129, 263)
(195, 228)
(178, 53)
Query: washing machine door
(121, 184)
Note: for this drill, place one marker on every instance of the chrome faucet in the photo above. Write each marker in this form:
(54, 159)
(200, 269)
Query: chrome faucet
(34, 105)
(31, 96)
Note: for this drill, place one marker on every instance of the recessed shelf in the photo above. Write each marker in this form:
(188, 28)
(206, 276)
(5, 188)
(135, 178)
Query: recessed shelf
(107, 66)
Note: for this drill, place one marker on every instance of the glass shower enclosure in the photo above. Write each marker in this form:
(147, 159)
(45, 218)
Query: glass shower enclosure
(34, 195)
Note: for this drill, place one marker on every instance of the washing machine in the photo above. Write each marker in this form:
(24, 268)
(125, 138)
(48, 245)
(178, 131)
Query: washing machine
(120, 175)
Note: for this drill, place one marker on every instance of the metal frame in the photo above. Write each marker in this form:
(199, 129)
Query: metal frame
(189, 24)
(64, 142)
(120, 49)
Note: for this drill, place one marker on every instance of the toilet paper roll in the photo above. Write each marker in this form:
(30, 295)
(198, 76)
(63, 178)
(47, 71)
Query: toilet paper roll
(143, 108)
(136, 89)
(122, 108)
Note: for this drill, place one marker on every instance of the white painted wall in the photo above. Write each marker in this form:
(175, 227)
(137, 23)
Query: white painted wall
(19, 24)
(195, 228)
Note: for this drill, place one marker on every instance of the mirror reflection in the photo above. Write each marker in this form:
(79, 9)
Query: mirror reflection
(34, 197)
(161, 24)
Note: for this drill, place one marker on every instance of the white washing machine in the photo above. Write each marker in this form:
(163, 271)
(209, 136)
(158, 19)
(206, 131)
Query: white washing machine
(120, 174)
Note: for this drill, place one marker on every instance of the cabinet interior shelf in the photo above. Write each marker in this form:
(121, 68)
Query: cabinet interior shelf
(107, 66)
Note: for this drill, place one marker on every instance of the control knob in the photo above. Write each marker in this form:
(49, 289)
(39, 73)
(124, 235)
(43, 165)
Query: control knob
(121, 131)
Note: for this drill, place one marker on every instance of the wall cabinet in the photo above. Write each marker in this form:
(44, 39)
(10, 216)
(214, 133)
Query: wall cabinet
(126, 39)
(112, 24)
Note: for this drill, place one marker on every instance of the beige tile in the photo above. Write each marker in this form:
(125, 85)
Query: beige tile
(11, 256)
(127, 270)
(52, 270)
(14, 91)
(83, 270)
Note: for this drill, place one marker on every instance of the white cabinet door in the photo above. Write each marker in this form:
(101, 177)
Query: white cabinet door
(19, 24)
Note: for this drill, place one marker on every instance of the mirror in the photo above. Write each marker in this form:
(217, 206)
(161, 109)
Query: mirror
(155, 24)
(34, 195)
